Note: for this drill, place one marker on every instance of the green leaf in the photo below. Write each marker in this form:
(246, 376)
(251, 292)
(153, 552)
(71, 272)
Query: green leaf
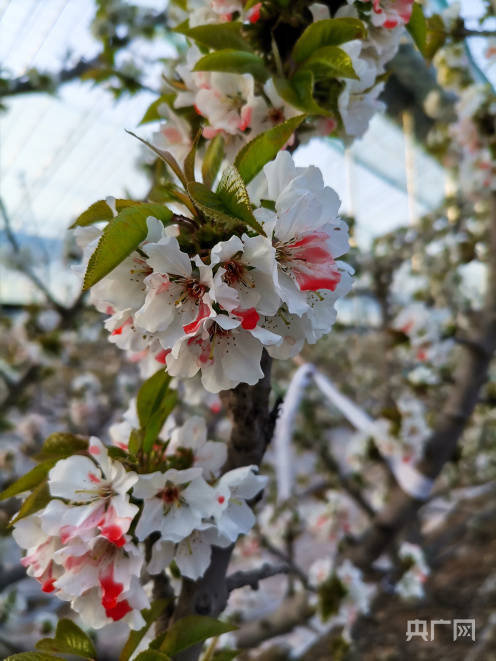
(166, 156)
(120, 238)
(264, 148)
(155, 403)
(152, 655)
(28, 481)
(135, 637)
(61, 445)
(299, 92)
(152, 114)
(234, 196)
(191, 630)
(212, 159)
(33, 656)
(330, 62)
(189, 161)
(69, 639)
(328, 32)
(211, 205)
(100, 211)
(436, 36)
(233, 61)
(37, 500)
(417, 27)
(217, 36)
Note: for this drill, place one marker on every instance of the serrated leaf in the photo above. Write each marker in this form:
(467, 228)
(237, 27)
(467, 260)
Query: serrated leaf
(120, 238)
(191, 630)
(152, 114)
(154, 403)
(298, 91)
(217, 36)
(328, 32)
(69, 639)
(330, 62)
(135, 637)
(37, 500)
(417, 27)
(61, 445)
(212, 160)
(28, 481)
(264, 148)
(152, 655)
(100, 211)
(233, 194)
(33, 656)
(233, 61)
(211, 205)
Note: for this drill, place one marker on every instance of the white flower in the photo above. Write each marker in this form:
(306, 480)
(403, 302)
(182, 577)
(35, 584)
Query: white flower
(97, 493)
(210, 456)
(307, 235)
(40, 549)
(124, 286)
(192, 554)
(246, 275)
(391, 13)
(224, 351)
(229, 103)
(319, 571)
(176, 300)
(102, 581)
(174, 135)
(174, 503)
(193, 80)
(232, 515)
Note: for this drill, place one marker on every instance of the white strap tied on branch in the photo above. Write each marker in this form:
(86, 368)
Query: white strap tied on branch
(409, 478)
(284, 431)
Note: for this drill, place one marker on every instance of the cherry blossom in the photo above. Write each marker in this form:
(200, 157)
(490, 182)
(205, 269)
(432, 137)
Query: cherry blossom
(97, 493)
(210, 456)
(174, 503)
(175, 302)
(192, 554)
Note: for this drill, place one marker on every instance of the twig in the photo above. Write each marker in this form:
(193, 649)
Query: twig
(240, 579)
(11, 576)
(278, 553)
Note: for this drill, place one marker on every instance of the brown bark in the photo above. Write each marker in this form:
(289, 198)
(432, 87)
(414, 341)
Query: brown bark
(248, 410)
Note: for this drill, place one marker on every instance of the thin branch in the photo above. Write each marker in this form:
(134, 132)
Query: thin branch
(11, 576)
(241, 579)
(292, 612)
(442, 444)
(278, 553)
(24, 84)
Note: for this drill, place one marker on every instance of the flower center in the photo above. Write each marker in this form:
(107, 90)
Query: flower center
(170, 494)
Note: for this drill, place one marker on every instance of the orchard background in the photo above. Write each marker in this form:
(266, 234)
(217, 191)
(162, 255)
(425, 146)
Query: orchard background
(246, 394)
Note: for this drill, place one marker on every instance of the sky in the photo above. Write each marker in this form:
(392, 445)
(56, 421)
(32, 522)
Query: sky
(60, 154)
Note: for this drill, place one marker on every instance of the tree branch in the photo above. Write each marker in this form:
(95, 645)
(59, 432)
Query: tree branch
(248, 409)
(291, 613)
(240, 579)
(440, 447)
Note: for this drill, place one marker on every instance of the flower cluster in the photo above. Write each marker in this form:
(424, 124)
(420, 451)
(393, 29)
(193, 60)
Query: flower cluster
(239, 107)
(411, 584)
(215, 311)
(87, 544)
